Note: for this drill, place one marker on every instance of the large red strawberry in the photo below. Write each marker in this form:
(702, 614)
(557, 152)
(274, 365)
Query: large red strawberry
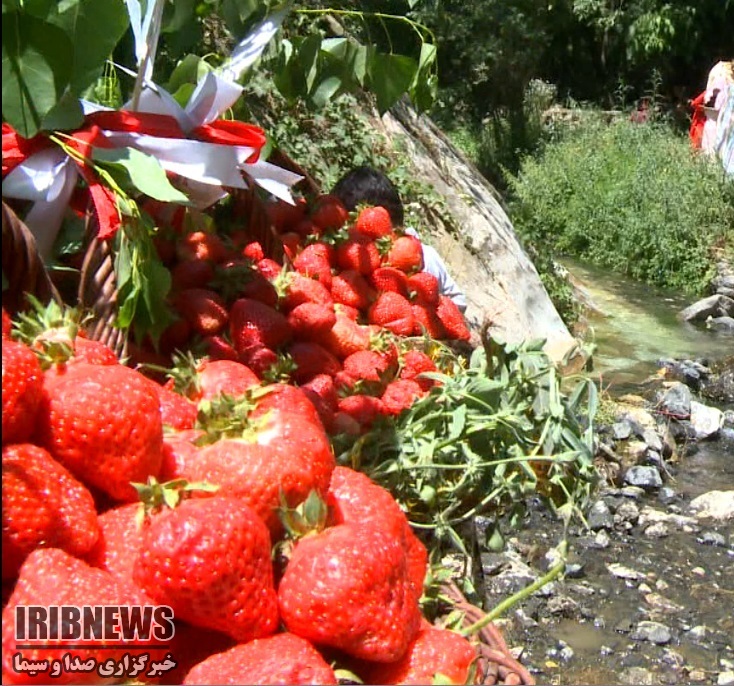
(367, 365)
(224, 376)
(424, 286)
(374, 222)
(390, 279)
(104, 424)
(434, 653)
(203, 309)
(177, 411)
(355, 498)
(351, 288)
(22, 391)
(199, 245)
(254, 323)
(280, 659)
(311, 359)
(346, 337)
(121, 534)
(329, 213)
(285, 215)
(394, 312)
(406, 254)
(400, 394)
(299, 289)
(348, 587)
(52, 577)
(314, 265)
(358, 253)
(427, 321)
(321, 391)
(209, 560)
(311, 321)
(414, 363)
(179, 449)
(43, 505)
(452, 319)
(365, 409)
(191, 274)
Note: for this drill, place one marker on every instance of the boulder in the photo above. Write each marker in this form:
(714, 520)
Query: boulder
(713, 306)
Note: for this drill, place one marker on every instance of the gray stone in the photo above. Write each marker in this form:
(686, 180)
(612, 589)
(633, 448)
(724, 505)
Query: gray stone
(706, 420)
(649, 515)
(677, 401)
(637, 676)
(712, 538)
(602, 540)
(600, 517)
(673, 658)
(653, 632)
(714, 505)
(621, 431)
(644, 477)
(723, 281)
(562, 605)
(698, 633)
(653, 440)
(662, 604)
(622, 572)
(634, 492)
(627, 512)
(657, 530)
(721, 324)
(713, 306)
(666, 495)
(725, 678)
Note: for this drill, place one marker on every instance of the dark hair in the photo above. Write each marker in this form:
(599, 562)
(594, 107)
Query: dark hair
(367, 186)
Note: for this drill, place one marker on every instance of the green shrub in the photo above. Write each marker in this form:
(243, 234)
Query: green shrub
(628, 197)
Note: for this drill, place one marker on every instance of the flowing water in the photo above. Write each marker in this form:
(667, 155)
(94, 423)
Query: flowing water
(633, 327)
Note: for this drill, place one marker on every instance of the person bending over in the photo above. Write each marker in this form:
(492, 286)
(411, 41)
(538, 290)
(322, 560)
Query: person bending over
(368, 186)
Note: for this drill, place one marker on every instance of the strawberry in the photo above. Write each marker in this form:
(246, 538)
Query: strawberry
(203, 309)
(179, 450)
(104, 424)
(345, 424)
(311, 359)
(270, 269)
(306, 228)
(432, 652)
(314, 251)
(119, 542)
(219, 348)
(43, 505)
(365, 409)
(300, 289)
(280, 451)
(50, 576)
(254, 323)
(427, 321)
(348, 587)
(452, 319)
(351, 288)
(367, 365)
(253, 251)
(22, 391)
(177, 411)
(283, 215)
(406, 254)
(347, 311)
(259, 359)
(310, 321)
(359, 254)
(224, 376)
(7, 324)
(258, 287)
(394, 312)
(390, 279)
(355, 499)
(424, 286)
(314, 265)
(321, 391)
(191, 274)
(209, 560)
(199, 245)
(291, 244)
(329, 213)
(174, 337)
(346, 337)
(413, 364)
(374, 222)
(281, 659)
(400, 395)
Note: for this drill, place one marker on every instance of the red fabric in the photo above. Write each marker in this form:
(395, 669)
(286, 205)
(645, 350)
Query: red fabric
(230, 132)
(16, 149)
(698, 120)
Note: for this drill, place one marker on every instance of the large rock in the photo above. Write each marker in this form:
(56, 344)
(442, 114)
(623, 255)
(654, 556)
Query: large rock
(479, 246)
(714, 505)
(713, 306)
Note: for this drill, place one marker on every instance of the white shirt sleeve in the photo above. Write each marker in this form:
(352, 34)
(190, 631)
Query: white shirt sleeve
(433, 264)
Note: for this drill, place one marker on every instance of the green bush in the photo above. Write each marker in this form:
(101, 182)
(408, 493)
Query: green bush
(628, 197)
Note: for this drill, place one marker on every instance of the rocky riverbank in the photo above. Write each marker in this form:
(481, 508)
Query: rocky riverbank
(648, 593)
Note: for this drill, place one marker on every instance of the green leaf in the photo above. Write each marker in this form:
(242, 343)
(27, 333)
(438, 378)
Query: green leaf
(37, 68)
(390, 76)
(94, 28)
(326, 90)
(186, 72)
(145, 172)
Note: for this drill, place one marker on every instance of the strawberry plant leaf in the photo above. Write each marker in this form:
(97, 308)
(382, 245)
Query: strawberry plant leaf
(144, 172)
(389, 77)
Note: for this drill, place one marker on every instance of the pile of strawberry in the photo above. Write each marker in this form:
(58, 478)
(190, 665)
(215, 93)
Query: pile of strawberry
(250, 463)
(335, 318)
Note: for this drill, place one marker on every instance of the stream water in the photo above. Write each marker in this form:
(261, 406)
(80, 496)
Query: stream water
(685, 582)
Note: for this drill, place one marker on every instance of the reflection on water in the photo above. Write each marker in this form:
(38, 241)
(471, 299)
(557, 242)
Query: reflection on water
(634, 325)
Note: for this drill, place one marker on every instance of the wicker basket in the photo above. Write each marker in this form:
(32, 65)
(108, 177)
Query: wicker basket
(496, 663)
(96, 292)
